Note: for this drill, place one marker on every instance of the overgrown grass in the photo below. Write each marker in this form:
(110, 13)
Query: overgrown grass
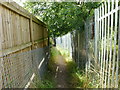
(65, 54)
(48, 80)
(52, 65)
(76, 77)
(54, 52)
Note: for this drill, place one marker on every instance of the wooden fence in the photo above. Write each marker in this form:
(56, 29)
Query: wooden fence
(21, 37)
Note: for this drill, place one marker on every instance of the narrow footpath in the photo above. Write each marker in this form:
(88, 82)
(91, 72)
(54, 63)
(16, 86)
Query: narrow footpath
(64, 71)
(60, 71)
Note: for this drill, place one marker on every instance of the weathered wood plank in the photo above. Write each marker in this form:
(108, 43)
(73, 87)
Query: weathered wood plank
(14, 49)
(19, 10)
(1, 40)
(15, 28)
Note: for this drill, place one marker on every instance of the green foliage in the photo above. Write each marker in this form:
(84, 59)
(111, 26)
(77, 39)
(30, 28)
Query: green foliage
(54, 52)
(48, 80)
(110, 41)
(77, 78)
(44, 84)
(62, 17)
(52, 65)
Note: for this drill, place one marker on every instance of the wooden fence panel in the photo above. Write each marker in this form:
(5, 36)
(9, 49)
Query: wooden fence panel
(21, 37)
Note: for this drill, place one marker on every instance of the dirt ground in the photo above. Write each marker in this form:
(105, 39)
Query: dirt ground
(61, 72)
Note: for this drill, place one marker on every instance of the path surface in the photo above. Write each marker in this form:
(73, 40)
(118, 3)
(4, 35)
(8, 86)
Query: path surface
(61, 72)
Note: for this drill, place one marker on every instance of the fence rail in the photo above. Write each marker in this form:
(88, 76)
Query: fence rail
(23, 45)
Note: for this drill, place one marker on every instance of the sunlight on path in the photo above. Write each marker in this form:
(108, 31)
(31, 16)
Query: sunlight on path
(61, 72)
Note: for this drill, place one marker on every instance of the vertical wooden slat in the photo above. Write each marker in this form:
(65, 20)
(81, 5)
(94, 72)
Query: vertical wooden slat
(15, 38)
(1, 40)
(14, 31)
(20, 32)
(1, 31)
(9, 30)
(4, 29)
(12, 28)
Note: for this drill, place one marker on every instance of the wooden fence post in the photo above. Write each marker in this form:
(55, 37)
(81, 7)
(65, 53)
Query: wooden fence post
(31, 32)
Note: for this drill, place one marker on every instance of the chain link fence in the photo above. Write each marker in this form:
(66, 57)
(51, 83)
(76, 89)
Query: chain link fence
(16, 70)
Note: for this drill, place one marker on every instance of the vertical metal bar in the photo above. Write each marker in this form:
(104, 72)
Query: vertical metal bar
(118, 54)
(108, 43)
(104, 59)
(110, 57)
(107, 46)
(100, 45)
(114, 53)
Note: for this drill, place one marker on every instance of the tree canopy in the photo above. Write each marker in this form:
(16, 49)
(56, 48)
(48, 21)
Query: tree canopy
(62, 17)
